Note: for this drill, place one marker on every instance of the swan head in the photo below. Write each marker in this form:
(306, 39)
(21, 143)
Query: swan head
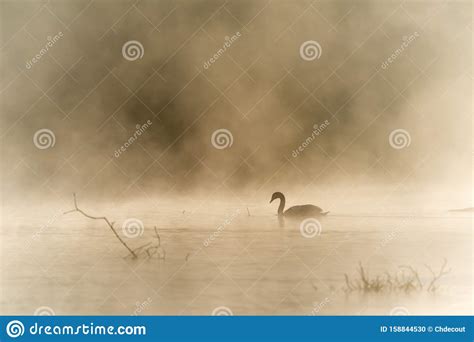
(276, 195)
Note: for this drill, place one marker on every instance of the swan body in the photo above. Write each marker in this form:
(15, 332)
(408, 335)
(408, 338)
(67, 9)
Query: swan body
(307, 210)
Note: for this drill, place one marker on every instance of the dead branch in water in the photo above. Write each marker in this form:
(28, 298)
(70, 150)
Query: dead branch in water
(110, 224)
(157, 248)
(248, 211)
(151, 249)
(432, 286)
(157, 236)
(139, 249)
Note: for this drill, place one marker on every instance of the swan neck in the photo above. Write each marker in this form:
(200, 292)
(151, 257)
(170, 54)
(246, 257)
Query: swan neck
(281, 206)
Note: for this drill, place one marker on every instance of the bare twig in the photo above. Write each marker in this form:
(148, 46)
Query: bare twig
(138, 249)
(349, 285)
(163, 255)
(157, 236)
(110, 224)
(432, 286)
(415, 274)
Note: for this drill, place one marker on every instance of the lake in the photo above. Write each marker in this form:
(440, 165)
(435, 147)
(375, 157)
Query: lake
(235, 261)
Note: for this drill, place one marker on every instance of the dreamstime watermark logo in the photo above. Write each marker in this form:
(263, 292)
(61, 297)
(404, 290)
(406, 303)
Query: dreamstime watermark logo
(44, 311)
(317, 130)
(399, 311)
(317, 307)
(222, 138)
(399, 138)
(140, 129)
(227, 44)
(385, 241)
(221, 227)
(310, 227)
(390, 236)
(44, 139)
(310, 50)
(406, 41)
(222, 311)
(132, 228)
(42, 229)
(51, 41)
(133, 50)
(140, 307)
(15, 329)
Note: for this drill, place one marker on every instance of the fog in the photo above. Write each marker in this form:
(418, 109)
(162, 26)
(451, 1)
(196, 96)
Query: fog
(383, 66)
(178, 120)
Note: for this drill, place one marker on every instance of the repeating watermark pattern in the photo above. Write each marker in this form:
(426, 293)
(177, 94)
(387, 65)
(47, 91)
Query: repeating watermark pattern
(399, 139)
(390, 236)
(406, 41)
(228, 41)
(44, 50)
(140, 129)
(133, 228)
(140, 307)
(44, 139)
(222, 311)
(318, 306)
(15, 329)
(222, 138)
(42, 229)
(133, 50)
(385, 241)
(219, 229)
(310, 227)
(310, 50)
(317, 130)
(44, 311)
(399, 311)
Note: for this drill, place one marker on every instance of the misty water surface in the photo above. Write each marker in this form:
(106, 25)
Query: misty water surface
(253, 266)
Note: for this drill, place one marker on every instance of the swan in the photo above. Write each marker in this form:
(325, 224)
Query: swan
(306, 210)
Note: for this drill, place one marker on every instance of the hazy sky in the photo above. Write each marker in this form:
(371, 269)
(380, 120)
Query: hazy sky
(383, 67)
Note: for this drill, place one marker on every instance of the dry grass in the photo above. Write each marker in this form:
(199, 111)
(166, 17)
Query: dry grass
(407, 280)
